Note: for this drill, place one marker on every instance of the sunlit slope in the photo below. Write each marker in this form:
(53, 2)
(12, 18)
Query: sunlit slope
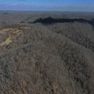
(46, 59)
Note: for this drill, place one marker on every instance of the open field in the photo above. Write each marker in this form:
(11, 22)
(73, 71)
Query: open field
(46, 53)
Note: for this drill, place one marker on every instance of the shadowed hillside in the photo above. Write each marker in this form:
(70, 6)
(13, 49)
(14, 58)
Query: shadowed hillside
(50, 20)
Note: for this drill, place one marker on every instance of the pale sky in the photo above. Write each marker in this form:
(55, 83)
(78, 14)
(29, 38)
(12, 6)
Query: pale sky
(67, 5)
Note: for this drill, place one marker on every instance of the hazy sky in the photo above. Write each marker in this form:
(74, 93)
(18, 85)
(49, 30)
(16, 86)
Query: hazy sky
(67, 5)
